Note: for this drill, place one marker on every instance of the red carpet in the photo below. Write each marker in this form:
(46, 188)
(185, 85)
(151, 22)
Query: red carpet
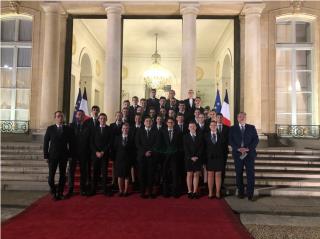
(126, 218)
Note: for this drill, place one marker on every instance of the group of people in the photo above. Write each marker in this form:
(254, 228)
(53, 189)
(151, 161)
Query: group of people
(165, 142)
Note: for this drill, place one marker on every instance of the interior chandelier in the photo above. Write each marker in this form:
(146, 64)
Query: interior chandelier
(156, 76)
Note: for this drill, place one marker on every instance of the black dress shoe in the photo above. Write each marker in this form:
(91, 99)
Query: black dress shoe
(126, 194)
(195, 196)
(250, 198)
(240, 195)
(211, 197)
(83, 193)
(59, 197)
(152, 196)
(69, 194)
(190, 195)
(144, 196)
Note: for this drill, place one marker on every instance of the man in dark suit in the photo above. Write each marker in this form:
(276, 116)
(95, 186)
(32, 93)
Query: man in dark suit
(190, 105)
(169, 100)
(56, 150)
(146, 140)
(182, 110)
(80, 145)
(171, 139)
(243, 139)
(117, 125)
(100, 148)
(197, 102)
(133, 109)
(92, 124)
(153, 101)
(223, 130)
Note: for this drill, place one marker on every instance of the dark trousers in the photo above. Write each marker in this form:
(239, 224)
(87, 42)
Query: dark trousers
(147, 167)
(248, 162)
(89, 170)
(83, 172)
(181, 171)
(53, 165)
(100, 165)
(170, 167)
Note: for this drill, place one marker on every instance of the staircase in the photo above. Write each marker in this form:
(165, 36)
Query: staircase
(283, 172)
(279, 171)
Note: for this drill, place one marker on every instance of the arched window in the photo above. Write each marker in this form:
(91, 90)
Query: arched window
(294, 70)
(16, 52)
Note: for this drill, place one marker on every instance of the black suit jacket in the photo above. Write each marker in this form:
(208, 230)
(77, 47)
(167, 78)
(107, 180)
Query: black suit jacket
(214, 150)
(144, 143)
(250, 140)
(188, 107)
(173, 146)
(80, 140)
(124, 152)
(101, 142)
(193, 149)
(57, 145)
(153, 103)
(225, 139)
(184, 128)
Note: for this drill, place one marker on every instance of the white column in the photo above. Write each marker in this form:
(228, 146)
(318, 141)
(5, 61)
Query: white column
(188, 62)
(113, 60)
(252, 64)
(50, 65)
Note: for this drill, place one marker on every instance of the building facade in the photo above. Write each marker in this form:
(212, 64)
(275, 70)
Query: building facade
(265, 54)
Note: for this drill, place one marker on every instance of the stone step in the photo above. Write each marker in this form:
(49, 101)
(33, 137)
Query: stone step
(22, 156)
(26, 177)
(280, 167)
(279, 182)
(21, 145)
(26, 163)
(281, 174)
(24, 185)
(281, 161)
(21, 151)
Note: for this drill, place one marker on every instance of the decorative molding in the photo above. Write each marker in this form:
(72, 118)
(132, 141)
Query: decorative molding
(189, 8)
(52, 7)
(253, 9)
(114, 8)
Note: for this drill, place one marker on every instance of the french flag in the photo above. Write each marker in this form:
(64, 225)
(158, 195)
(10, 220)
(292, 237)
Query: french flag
(225, 110)
(84, 104)
(77, 106)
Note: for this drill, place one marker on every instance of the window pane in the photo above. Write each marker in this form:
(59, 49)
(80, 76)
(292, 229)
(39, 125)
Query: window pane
(6, 98)
(303, 32)
(304, 103)
(24, 78)
(6, 57)
(8, 30)
(283, 104)
(22, 115)
(6, 78)
(304, 82)
(283, 81)
(284, 32)
(304, 119)
(283, 59)
(25, 30)
(284, 119)
(23, 97)
(24, 57)
(303, 59)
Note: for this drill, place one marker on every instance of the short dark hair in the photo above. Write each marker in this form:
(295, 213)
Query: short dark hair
(179, 114)
(170, 118)
(80, 111)
(58, 111)
(162, 97)
(95, 107)
(192, 122)
(142, 99)
(102, 114)
(181, 103)
(126, 101)
(219, 114)
(135, 97)
(153, 90)
(147, 117)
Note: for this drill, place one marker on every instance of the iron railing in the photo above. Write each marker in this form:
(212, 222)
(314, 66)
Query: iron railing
(298, 131)
(14, 126)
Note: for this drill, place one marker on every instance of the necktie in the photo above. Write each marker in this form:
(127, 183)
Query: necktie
(220, 128)
(124, 141)
(193, 137)
(170, 135)
(242, 134)
(94, 122)
(181, 128)
(147, 133)
(101, 130)
(60, 129)
(213, 138)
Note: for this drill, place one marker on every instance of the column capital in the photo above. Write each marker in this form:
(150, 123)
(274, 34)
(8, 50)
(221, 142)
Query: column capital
(189, 8)
(113, 8)
(52, 7)
(253, 9)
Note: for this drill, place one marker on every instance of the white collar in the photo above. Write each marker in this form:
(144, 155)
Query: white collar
(242, 125)
(147, 128)
(195, 134)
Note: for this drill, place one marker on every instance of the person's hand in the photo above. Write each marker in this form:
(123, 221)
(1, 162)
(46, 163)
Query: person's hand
(242, 150)
(148, 154)
(98, 154)
(194, 158)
